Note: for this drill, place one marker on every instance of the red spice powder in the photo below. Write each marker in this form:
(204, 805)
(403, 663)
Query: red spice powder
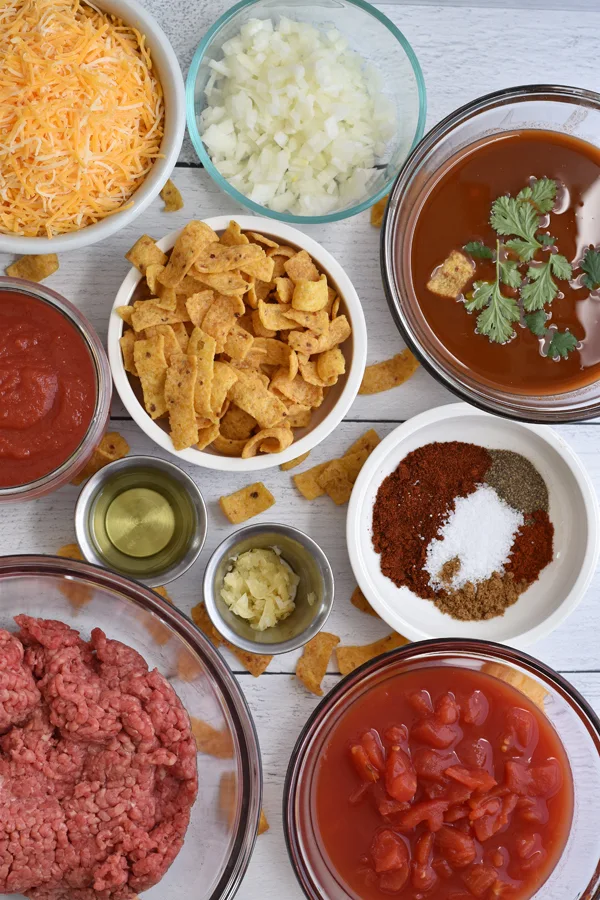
(533, 547)
(413, 502)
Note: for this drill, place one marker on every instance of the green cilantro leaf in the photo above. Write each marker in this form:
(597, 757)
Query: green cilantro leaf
(542, 288)
(509, 216)
(481, 296)
(562, 343)
(496, 321)
(541, 194)
(546, 240)
(591, 267)
(525, 250)
(509, 273)
(498, 313)
(536, 322)
(560, 266)
(479, 250)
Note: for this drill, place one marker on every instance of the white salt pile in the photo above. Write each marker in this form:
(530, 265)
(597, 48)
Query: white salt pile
(479, 532)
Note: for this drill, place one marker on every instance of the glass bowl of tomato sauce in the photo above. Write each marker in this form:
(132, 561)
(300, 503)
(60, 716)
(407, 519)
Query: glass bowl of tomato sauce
(504, 309)
(447, 770)
(55, 390)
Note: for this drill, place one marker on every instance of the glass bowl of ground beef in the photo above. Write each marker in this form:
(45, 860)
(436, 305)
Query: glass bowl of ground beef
(129, 762)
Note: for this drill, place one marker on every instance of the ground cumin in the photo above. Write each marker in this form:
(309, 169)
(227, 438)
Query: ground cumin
(485, 600)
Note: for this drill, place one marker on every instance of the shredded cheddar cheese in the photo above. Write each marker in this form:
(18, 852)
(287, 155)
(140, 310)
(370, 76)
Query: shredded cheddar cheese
(81, 115)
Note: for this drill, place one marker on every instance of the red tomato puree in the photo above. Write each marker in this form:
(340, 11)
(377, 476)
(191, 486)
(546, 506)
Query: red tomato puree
(47, 388)
(425, 792)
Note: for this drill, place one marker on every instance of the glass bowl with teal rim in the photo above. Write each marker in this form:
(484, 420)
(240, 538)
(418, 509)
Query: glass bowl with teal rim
(385, 52)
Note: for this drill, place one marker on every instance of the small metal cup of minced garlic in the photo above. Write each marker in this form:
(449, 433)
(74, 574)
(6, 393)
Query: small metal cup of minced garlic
(268, 588)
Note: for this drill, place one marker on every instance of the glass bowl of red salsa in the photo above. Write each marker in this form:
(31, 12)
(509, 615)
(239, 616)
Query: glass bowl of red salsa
(491, 253)
(55, 390)
(447, 770)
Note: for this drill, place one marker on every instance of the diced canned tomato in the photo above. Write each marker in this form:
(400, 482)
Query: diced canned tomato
(474, 779)
(479, 879)
(363, 765)
(457, 789)
(475, 708)
(397, 734)
(431, 765)
(400, 776)
(389, 852)
(435, 733)
(533, 781)
(430, 811)
(373, 747)
(421, 702)
(457, 848)
(447, 709)
(522, 732)
(477, 754)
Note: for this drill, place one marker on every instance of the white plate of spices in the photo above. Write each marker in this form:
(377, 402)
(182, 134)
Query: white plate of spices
(462, 524)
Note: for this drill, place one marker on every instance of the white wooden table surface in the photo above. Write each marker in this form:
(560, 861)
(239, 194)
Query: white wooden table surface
(464, 52)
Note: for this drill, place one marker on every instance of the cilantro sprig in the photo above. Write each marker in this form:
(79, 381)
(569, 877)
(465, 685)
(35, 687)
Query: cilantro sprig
(541, 288)
(520, 216)
(499, 312)
(541, 195)
(517, 222)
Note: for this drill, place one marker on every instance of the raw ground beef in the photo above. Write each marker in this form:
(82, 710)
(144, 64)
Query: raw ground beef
(97, 766)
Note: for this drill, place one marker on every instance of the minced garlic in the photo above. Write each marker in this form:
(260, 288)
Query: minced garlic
(260, 587)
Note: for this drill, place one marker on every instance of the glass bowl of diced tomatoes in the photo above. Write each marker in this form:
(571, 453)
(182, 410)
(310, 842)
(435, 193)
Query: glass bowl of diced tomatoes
(447, 770)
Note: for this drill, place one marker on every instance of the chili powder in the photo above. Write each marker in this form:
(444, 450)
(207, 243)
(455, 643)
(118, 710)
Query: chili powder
(412, 504)
(532, 548)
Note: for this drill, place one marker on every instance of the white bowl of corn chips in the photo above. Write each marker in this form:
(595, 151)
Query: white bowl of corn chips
(242, 349)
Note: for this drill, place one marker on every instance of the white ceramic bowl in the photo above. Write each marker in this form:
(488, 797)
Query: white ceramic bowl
(169, 74)
(338, 399)
(573, 512)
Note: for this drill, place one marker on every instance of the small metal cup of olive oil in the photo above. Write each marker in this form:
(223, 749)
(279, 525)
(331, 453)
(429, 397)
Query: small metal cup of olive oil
(141, 516)
(313, 595)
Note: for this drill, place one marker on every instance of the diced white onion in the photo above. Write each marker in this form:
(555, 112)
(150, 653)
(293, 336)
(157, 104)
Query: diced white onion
(294, 119)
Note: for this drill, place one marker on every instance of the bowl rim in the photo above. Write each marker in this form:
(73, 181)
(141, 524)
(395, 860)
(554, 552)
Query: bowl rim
(237, 195)
(456, 411)
(92, 488)
(319, 432)
(506, 405)
(420, 650)
(54, 479)
(172, 83)
(232, 694)
(225, 546)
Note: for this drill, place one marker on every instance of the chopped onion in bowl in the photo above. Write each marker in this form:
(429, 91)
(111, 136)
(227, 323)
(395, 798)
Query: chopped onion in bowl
(295, 120)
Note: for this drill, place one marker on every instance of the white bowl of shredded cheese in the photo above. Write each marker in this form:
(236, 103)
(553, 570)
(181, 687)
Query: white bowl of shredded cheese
(113, 98)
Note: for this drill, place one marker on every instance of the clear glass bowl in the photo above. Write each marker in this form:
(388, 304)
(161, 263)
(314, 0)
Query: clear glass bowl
(577, 874)
(224, 821)
(371, 34)
(74, 463)
(572, 111)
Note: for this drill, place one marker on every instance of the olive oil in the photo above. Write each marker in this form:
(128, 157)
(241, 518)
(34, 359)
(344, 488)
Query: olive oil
(142, 522)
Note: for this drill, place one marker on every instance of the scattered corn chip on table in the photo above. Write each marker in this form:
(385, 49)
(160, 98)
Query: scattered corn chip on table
(564, 52)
